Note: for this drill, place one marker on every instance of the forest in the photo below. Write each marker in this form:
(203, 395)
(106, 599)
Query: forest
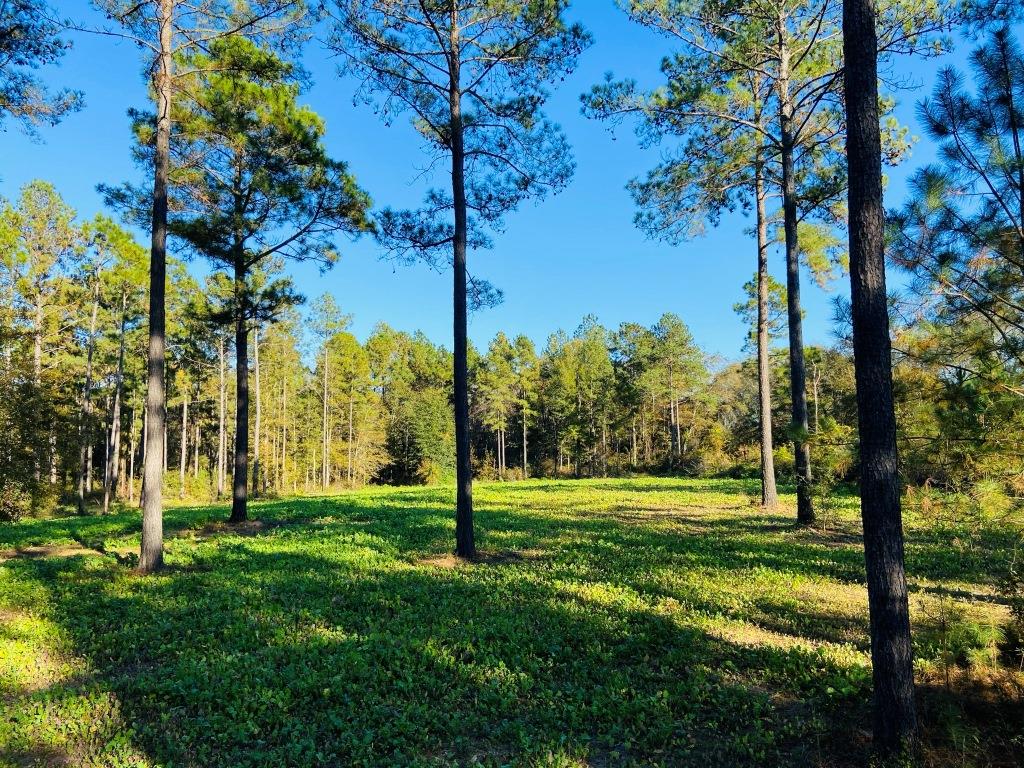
(238, 530)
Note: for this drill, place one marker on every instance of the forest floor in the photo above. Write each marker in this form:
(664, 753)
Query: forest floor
(607, 622)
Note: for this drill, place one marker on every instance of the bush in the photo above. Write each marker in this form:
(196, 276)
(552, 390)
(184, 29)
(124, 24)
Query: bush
(15, 503)
(1012, 588)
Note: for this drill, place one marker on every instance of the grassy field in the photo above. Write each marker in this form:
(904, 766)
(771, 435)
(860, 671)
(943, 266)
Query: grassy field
(616, 622)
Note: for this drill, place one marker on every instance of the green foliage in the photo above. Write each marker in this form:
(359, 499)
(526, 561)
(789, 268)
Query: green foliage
(630, 622)
(30, 38)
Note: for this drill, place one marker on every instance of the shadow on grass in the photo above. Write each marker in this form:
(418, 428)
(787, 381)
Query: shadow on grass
(327, 637)
(294, 652)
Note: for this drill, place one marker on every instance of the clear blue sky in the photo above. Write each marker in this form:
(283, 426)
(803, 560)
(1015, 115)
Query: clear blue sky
(573, 254)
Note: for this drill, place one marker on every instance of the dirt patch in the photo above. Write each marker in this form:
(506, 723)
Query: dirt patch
(483, 557)
(51, 550)
(221, 528)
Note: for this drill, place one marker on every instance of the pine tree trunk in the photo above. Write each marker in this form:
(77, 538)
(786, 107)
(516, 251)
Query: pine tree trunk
(465, 544)
(114, 447)
(351, 409)
(895, 718)
(526, 468)
(152, 554)
(240, 476)
(284, 432)
(769, 493)
(797, 363)
(195, 443)
(85, 428)
(183, 458)
(131, 461)
(221, 431)
(256, 427)
(325, 470)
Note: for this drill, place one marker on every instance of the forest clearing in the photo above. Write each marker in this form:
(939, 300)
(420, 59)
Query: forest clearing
(607, 622)
(719, 462)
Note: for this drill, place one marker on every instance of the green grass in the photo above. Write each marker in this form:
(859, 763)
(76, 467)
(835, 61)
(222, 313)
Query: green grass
(609, 622)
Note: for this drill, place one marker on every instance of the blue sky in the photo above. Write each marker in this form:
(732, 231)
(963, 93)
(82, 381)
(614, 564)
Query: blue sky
(571, 255)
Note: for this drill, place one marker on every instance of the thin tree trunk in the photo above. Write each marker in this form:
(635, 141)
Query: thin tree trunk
(239, 479)
(797, 363)
(195, 442)
(351, 409)
(526, 468)
(114, 446)
(256, 427)
(325, 472)
(85, 428)
(183, 459)
(284, 432)
(221, 431)
(151, 555)
(131, 461)
(465, 544)
(895, 718)
(769, 493)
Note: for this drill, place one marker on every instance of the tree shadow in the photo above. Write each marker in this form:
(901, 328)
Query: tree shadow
(283, 653)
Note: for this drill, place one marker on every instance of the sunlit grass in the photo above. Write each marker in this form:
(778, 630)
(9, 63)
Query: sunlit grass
(609, 622)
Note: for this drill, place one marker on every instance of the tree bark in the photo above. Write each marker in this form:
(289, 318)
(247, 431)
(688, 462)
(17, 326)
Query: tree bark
(221, 431)
(183, 458)
(325, 470)
(465, 544)
(114, 446)
(797, 364)
(256, 427)
(151, 555)
(85, 430)
(131, 459)
(769, 493)
(895, 717)
(240, 477)
(351, 408)
(526, 468)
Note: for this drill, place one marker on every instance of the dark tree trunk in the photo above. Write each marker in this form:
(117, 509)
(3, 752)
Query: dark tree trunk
(221, 418)
(895, 718)
(769, 494)
(465, 545)
(240, 477)
(151, 555)
(256, 467)
(797, 364)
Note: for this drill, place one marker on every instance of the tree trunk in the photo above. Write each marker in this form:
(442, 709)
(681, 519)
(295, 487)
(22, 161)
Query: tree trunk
(221, 431)
(526, 468)
(131, 460)
(351, 409)
(256, 427)
(183, 459)
(465, 545)
(284, 432)
(895, 718)
(195, 443)
(769, 493)
(240, 476)
(151, 555)
(325, 471)
(114, 446)
(797, 364)
(85, 429)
